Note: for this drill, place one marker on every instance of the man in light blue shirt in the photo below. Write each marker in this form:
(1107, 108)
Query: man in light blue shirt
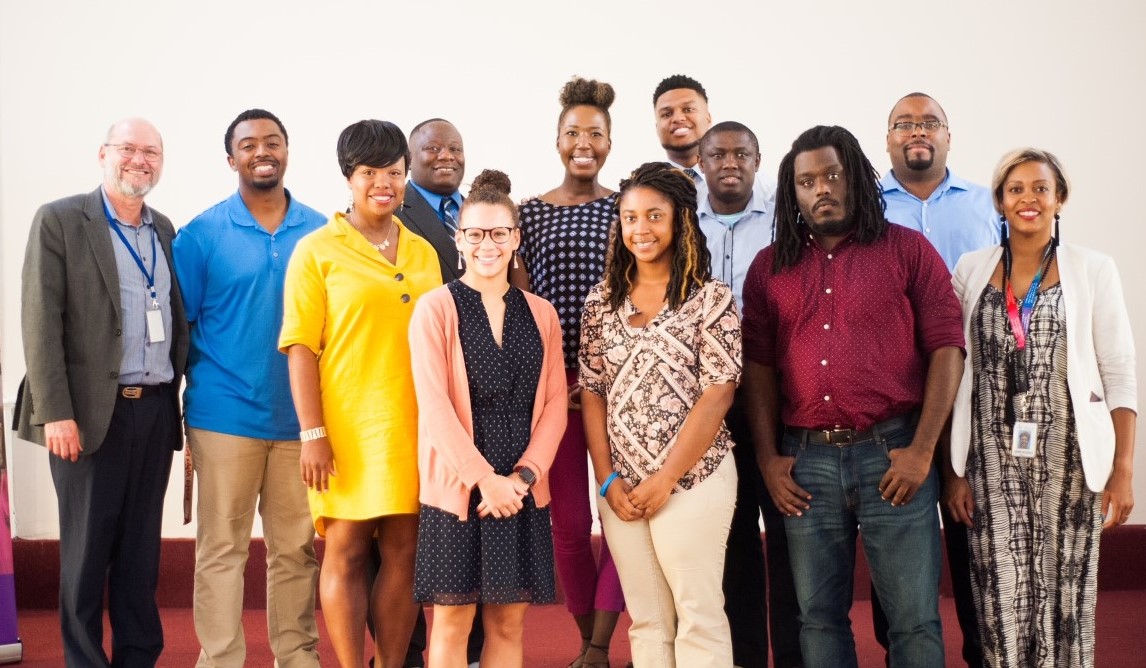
(241, 424)
(736, 212)
(956, 216)
(736, 215)
(921, 193)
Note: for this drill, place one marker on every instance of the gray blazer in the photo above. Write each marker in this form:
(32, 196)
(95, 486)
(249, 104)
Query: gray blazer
(421, 219)
(70, 319)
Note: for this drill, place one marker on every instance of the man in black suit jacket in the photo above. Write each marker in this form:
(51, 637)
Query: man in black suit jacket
(437, 165)
(105, 341)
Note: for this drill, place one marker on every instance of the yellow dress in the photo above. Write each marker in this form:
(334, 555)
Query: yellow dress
(351, 307)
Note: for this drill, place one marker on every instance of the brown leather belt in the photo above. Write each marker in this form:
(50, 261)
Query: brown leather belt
(140, 391)
(845, 437)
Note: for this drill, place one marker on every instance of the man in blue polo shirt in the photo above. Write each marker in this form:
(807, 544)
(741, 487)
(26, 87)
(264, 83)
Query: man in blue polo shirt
(956, 216)
(241, 424)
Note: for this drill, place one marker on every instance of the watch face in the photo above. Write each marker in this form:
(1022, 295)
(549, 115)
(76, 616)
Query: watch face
(527, 475)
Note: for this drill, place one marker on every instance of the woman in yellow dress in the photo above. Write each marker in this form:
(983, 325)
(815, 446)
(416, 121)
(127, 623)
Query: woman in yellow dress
(351, 287)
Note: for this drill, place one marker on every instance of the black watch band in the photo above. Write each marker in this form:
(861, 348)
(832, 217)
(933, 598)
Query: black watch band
(527, 475)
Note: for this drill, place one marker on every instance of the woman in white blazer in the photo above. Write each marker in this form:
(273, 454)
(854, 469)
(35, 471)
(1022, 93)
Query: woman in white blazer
(1043, 426)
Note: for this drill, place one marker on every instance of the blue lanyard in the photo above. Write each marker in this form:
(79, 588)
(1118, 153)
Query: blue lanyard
(149, 276)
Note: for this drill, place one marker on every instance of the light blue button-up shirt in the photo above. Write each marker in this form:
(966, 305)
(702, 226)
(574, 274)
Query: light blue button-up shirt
(733, 247)
(143, 363)
(958, 217)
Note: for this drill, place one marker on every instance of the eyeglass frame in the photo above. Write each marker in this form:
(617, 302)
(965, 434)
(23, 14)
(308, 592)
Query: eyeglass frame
(487, 232)
(129, 151)
(921, 125)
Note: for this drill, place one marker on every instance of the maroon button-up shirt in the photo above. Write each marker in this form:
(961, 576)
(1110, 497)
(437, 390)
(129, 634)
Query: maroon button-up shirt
(850, 330)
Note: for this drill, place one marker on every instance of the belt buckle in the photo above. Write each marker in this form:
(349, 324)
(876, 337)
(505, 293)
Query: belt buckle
(839, 437)
(131, 392)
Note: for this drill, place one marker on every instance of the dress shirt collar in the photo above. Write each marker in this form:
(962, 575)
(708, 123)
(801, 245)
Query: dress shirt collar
(435, 200)
(889, 183)
(145, 217)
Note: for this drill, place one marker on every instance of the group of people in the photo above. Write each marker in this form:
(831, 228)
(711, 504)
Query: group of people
(421, 378)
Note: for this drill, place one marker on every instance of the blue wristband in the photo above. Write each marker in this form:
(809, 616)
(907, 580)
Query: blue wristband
(608, 481)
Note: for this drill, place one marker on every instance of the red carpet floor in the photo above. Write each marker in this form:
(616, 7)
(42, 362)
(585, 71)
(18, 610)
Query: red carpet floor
(551, 638)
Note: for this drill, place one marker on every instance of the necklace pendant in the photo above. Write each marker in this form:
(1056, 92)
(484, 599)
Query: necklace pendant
(382, 246)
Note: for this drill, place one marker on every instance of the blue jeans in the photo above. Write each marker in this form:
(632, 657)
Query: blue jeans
(901, 544)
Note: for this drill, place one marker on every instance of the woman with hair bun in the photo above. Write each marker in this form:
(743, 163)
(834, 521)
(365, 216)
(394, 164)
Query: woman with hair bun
(491, 411)
(660, 360)
(350, 291)
(564, 236)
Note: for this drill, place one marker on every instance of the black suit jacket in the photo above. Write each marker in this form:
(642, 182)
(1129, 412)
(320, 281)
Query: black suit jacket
(70, 319)
(421, 219)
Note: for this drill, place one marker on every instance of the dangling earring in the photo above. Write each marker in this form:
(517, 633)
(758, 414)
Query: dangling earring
(350, 203)
(461, 265)
(799, 218)
(1056, 237)
(515, 259)
(1003, 227)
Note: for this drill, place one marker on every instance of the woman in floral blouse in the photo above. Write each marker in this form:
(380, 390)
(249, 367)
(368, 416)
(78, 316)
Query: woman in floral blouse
(659, 363)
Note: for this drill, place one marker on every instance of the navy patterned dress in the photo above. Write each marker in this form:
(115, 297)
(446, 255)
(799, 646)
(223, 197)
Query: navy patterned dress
(564, 248)
(488, 560)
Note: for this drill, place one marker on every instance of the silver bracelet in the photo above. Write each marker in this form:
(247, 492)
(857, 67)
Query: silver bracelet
(312, 434)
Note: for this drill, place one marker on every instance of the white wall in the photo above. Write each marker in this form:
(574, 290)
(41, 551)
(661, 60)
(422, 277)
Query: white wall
(1066, 76)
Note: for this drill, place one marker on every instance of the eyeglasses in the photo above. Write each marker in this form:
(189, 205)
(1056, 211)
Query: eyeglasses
(475, 235)
(129, 150)
(907, 127)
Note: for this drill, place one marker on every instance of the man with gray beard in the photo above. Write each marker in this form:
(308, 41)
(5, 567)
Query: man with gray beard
(105, 342)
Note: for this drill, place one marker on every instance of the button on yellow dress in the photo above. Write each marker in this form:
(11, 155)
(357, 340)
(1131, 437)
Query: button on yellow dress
(351, 307)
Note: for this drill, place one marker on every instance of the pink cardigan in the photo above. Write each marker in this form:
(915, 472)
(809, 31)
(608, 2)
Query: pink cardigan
(449, 464)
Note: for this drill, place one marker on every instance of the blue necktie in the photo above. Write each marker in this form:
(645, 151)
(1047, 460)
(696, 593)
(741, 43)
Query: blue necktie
(447, 210)
(692, 173)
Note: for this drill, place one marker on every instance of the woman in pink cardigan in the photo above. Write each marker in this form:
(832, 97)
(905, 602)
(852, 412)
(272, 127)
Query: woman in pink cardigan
(491, 411)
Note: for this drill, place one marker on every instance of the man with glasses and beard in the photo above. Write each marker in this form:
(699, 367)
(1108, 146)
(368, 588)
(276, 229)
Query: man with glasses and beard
(956, 216)
(105, 342)
(241, 425)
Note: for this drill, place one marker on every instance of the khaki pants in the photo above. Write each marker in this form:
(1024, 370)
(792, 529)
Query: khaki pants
(672, 569)
(235, 474)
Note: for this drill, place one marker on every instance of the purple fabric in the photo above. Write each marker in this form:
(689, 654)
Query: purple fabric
(589, 583)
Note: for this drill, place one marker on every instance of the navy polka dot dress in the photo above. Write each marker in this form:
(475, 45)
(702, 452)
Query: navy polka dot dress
(487, 560)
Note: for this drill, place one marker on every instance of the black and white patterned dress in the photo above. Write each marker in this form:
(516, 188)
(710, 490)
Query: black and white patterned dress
(1034, 543)
(495, 561)
(564, 248)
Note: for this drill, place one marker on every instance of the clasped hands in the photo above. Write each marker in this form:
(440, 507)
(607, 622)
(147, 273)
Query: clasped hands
(641, 502)
(501, 496)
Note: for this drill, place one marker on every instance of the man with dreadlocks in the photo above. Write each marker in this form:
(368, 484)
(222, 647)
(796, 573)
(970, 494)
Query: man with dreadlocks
(852, 327)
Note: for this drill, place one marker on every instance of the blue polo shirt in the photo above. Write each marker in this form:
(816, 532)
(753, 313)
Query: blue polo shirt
(957, 218)
(231, 273)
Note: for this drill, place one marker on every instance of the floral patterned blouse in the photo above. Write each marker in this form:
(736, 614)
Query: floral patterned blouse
(650, 377)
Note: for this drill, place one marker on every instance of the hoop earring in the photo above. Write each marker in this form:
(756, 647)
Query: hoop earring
(461, 264)
(799, 218)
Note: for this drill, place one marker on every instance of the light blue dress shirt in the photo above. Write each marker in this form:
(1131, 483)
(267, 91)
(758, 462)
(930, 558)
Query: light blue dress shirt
(733, 247)
(143, 363)
(957, 218)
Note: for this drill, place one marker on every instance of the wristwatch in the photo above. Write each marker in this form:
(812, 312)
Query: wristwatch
(527, 475)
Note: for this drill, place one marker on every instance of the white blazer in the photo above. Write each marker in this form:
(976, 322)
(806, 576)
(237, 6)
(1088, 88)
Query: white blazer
(1099, 358)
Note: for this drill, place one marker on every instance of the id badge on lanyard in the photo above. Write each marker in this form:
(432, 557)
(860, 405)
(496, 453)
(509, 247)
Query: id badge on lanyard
(154, 315)
(1024, 435)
